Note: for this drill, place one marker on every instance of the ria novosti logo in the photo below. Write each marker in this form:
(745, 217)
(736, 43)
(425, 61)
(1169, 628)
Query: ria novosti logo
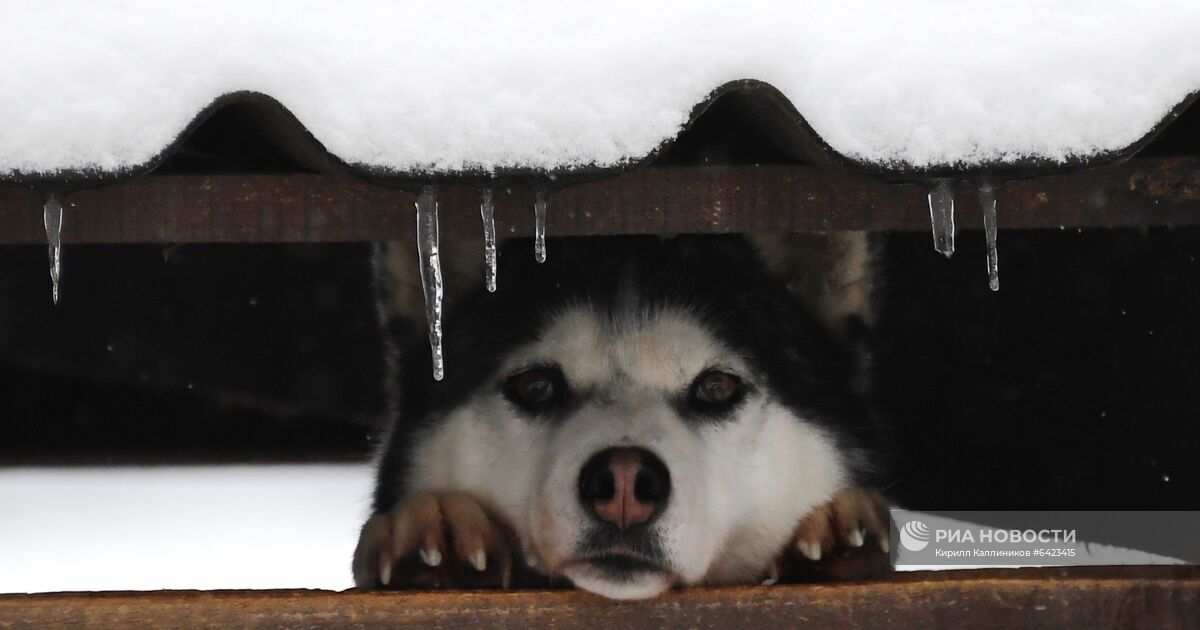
(914, 535)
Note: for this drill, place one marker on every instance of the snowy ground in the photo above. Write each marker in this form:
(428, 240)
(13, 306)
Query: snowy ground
(184, 527)
(180, 527)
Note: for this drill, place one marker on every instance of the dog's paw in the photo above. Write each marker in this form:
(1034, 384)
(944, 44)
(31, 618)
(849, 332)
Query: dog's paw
(431, 541)
(848, 521)
(844, 539)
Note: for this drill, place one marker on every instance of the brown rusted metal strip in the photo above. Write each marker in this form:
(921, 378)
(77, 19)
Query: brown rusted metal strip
(652, 200)
(1149, 597)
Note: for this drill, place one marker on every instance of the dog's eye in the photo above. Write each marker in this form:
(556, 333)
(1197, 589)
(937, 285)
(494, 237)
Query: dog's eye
(536, 388)
(716, 388)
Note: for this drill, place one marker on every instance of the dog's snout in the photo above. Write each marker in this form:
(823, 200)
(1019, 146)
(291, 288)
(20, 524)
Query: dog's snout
(624, 486)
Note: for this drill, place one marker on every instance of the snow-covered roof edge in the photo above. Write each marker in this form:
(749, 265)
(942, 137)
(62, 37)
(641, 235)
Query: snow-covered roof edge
(770, 109)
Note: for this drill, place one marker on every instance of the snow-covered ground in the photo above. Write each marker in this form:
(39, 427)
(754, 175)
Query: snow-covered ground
(464, 84)
(180, 527)
(201, 527)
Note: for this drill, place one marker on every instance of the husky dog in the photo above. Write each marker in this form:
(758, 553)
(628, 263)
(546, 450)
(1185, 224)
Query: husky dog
(635, 413)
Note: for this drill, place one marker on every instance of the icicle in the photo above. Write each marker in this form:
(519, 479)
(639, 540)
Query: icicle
(941, 216)
(431, 272)
(487, 210)
(52, 216)
(539, 227)
(987, 199)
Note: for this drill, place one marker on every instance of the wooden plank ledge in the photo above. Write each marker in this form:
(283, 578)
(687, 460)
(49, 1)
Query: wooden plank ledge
(651, 200)
(1091, 597)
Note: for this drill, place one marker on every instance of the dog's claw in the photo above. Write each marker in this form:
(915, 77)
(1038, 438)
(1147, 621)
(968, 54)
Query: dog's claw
(385, 569)
(772, 575)
(431, 557)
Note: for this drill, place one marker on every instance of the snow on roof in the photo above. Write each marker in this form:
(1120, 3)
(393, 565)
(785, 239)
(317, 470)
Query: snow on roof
(451, 86)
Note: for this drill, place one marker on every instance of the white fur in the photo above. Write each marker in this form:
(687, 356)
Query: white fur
(739, 486)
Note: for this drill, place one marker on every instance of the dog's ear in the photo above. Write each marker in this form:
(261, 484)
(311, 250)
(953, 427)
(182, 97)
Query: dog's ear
(833, 274)
(398, 274)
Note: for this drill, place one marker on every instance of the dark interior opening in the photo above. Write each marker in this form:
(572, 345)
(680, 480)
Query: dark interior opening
(1071, 387)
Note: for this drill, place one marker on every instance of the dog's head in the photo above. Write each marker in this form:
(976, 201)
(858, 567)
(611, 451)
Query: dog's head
(643, 412)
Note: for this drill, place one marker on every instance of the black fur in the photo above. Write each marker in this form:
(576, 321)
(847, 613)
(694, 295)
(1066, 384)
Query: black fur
(717, 277)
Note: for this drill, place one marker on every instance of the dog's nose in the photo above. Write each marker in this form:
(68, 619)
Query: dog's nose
(624, 486)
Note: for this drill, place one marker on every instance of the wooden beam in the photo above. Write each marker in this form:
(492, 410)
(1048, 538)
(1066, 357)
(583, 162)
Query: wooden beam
(1088, 597)
(658, 200)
